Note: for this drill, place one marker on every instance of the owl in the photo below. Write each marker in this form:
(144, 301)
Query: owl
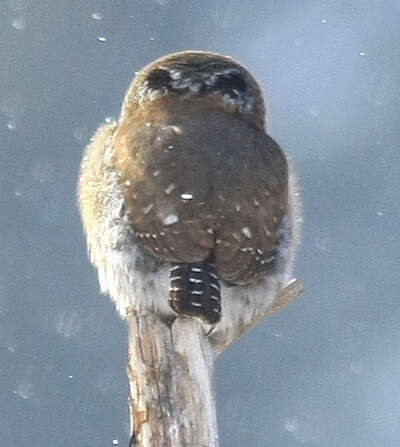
(188, 206)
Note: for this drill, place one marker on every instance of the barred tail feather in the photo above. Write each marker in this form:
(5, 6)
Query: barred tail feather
(195, 291)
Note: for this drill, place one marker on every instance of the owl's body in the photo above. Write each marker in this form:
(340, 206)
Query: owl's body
(188, 182)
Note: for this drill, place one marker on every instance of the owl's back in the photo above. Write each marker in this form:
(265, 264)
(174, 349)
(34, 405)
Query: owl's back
(199, 181)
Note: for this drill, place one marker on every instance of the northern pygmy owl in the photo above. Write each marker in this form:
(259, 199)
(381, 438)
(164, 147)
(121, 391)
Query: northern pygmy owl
(186, 199)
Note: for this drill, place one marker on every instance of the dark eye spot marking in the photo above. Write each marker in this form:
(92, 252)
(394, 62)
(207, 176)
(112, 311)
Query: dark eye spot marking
(231, 82)
(158, 79)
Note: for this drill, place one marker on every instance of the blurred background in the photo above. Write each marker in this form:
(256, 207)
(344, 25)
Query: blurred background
(324, 371)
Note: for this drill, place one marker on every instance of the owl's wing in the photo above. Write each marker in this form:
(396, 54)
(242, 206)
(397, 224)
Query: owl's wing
(194, 191)
(247, 243)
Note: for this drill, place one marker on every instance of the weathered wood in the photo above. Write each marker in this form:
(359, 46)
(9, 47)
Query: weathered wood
(170, 371)
(220, 341)
(170, 377)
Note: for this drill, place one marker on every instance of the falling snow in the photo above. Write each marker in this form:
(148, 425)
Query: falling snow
(246, 232)
(19, 23)
(186, 196)
(170, 219)
(169, 188)
(97, 15)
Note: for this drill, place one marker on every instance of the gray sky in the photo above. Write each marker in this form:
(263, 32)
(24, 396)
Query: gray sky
(323, 372)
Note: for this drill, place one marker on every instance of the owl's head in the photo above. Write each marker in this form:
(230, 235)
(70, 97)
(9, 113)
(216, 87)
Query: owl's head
(191, 75)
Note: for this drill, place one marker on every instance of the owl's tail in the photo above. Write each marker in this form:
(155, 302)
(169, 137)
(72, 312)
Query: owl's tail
(194, 291)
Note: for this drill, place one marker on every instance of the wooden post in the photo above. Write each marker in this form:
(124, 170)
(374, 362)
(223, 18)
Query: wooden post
(170, 369)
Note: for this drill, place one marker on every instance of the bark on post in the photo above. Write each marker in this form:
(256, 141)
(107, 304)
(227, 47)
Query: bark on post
(170, 371)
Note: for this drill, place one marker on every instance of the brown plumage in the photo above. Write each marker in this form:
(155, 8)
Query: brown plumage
(202, 182)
